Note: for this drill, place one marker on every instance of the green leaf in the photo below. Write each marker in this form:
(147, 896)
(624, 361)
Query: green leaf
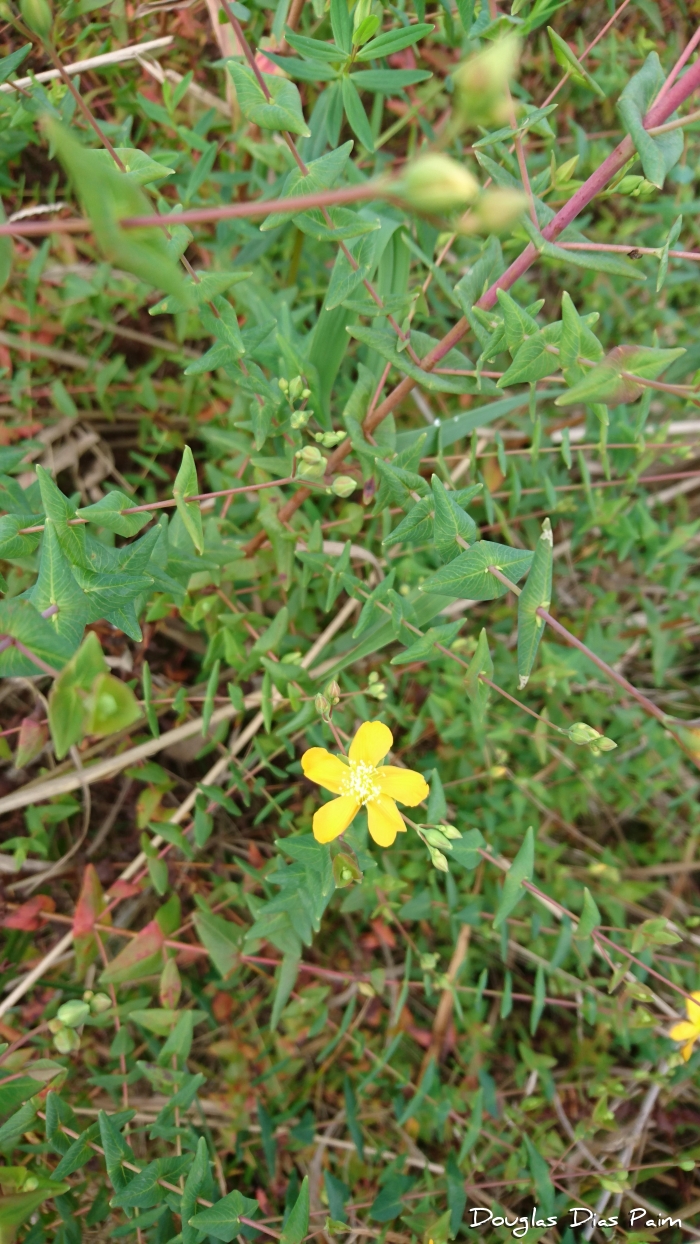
(659, 154)
(355, 113)
(140, 167)
(297, 1224)
(534, 359)
(537, 594)
(110, 705)
(565, 57)
(468, 576)
(611, 382)
(197, 1180)
(56, 585)
(520, 870)
(286, 980)
(16, 1209)
(116, 1151)
(16, 1093)
(589, 919)
(107, 197)
(272, 636)
(222, 940)
(223, 1220)
(316, 49)
(345, 224)
(107, 513)
(393, 41)
(596, 261)
(384, 341)
(481, 663)
(388, 81)
(282, 111)
(424, 648)
(539, 1169)
(451, 524)
(144, 1190)
(186, 485)
(341, 25)
(12, 544)
(143, 956)
(671, 240)
(59, 513)
(21, 620)
(8, 64)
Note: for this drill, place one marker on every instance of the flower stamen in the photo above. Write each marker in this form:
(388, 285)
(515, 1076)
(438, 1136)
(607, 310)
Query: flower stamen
(359, 783)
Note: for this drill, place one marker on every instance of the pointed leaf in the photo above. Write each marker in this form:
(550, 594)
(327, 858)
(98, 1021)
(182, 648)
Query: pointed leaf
(537, 594)
(141, 957)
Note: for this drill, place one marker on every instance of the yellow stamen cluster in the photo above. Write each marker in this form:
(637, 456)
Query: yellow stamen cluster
(359, 783)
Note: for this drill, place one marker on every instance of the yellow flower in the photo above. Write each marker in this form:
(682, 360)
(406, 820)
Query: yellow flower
(688, 1030)
(360, 783)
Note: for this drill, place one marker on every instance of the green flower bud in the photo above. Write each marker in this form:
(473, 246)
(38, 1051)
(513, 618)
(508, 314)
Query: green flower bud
(322, 706)
(66, 1041)
(38, 16)
(54, 1026)
(295, 387)
(299, 419)
(333, 692)
(582, 734)
(309, 454)
(496, 212)
(100, 1003)
(437, 183)
(481, 83)
(451, 831)
(345, 871)
(605, 744)
(73, 1014)
(438, 860)
(344, 485)
(436, 839)
(305, 393)
(88, 995)
(283, 384)
(312, 470)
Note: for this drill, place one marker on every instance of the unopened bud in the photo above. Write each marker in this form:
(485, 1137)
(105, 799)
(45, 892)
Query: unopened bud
(451, 831)
(496, 212)
(481, 83)
(100, 1003)
(54, 1026)
(345, 871)
(295, 387)
(38, 16)
(437, 183)
(73, 1014)
(309, 454)
(322, 706)
(581, 733)
(436, 839)
(344, 485)
(299, 419)
(605, 744)
(438, 860)
(66, 1041)
(312, 470)
(283, 384)
(333, 692)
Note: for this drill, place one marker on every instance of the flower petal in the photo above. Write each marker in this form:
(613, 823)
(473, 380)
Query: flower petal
(684, 1031)
(334, 817)
(405, 785)
(692, 1010)
(687, 1050)
(322, 767)
(371, 743)
(384, 820)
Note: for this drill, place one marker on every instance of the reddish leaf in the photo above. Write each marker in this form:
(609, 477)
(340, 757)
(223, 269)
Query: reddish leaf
(90, 905)
(27, 917)
(32, 737)
(123, 889)
(141, 957)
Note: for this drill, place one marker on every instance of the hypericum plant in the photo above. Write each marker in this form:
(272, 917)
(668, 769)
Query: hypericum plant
(307, 486)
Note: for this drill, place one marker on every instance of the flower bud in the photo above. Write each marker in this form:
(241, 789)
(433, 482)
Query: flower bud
(436, 839)
(345, 871)
(283, 384)
(100, 1003)
(437, 183)
(38, 16)
(73, 1014)
(605, 744)
(333, 692)
(481, 83)
(295, 387)
(312, 470)
(438, 860)
(299, 419)
(54, 1026)
(305, 393)
(322, 707)
(496, 212)
(309, 454)
(451, 831)
(344, 485)
(66, 1041)
(582, 734)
